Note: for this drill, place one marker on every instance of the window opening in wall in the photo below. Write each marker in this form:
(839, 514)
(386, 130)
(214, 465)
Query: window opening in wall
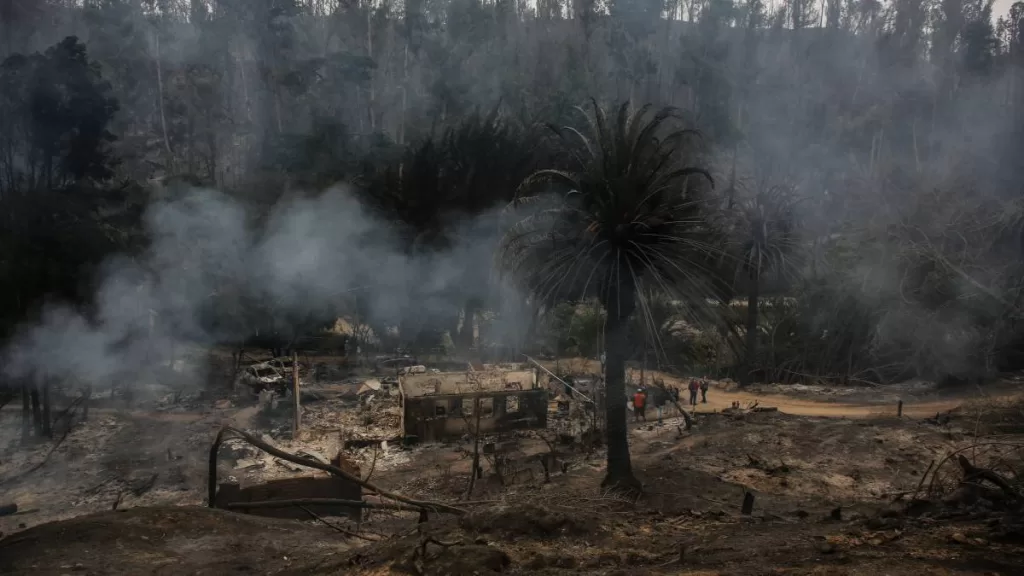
(511, 404)
(439, 410)
(486, 407)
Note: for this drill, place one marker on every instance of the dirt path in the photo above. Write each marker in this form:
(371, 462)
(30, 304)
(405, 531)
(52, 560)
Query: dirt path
(719, 399)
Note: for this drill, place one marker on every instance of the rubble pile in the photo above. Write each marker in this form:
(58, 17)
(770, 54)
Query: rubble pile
(182, 402)
(245, 464)
(376, 416)
(383, 456)
(363, 426)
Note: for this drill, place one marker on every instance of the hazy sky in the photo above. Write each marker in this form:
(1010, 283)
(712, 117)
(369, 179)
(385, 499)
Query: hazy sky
(1001, 7)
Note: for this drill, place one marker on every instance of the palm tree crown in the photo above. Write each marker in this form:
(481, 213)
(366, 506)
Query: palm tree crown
(627, 212)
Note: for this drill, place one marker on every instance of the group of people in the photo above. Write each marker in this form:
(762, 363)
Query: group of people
(662, 394)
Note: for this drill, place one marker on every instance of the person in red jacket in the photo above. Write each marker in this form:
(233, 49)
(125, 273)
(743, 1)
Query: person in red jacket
(639, 405)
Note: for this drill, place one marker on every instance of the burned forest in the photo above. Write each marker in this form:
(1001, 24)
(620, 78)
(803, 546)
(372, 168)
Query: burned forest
(717, 287)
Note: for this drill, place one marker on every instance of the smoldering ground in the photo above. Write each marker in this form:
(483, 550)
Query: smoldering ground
(213, 273)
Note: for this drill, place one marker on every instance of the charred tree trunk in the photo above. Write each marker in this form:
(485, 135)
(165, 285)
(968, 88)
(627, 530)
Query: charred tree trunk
(619, 304)
(296, 393)
(160, 99)
(237, 368)
(47, 411)
(475, 473)
(750, 363)
(26, 411)
(37, 413)
(467, 336)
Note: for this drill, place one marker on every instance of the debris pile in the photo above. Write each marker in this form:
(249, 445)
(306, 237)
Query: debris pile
(245, 464)
(736, 411)
(959, 488)
(376, 415)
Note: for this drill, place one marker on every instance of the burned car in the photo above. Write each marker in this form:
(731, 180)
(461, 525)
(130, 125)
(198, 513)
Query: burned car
(274, 375)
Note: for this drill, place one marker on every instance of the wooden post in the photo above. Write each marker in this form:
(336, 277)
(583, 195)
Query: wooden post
(748, 504)
(295, 392)
(899, 409)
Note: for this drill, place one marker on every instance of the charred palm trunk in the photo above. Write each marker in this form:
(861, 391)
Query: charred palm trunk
(47, 410)
(747, 377)
(620, 304)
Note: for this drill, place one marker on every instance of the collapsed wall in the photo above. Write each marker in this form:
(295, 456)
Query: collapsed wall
(447, 405)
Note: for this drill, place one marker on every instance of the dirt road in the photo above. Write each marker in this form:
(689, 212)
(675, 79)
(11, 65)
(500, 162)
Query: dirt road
(720, 399)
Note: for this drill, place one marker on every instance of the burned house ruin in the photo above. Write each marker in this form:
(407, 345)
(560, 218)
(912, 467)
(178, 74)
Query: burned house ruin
(450, 404)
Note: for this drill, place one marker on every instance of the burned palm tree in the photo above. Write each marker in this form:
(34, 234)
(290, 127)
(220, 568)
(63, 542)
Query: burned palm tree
(626, 214)
(765, 241)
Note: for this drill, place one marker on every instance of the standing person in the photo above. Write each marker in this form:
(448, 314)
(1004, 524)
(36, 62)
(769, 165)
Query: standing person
(704, 390)
(660, 398)
(694, 387)
(639, 405)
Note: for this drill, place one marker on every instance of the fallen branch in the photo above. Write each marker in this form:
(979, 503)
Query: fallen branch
(336, 528)
(320, 502)
(921, 483)
(419, 554)
(418, 560)
(951, 455)
(334, 470)
(972, 472)
(373, 465)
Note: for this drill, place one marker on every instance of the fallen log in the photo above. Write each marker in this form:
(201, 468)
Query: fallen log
(310, 463)
(972, 472)
(951, 455)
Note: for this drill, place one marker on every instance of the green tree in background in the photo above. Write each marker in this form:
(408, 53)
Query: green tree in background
(63, 213)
